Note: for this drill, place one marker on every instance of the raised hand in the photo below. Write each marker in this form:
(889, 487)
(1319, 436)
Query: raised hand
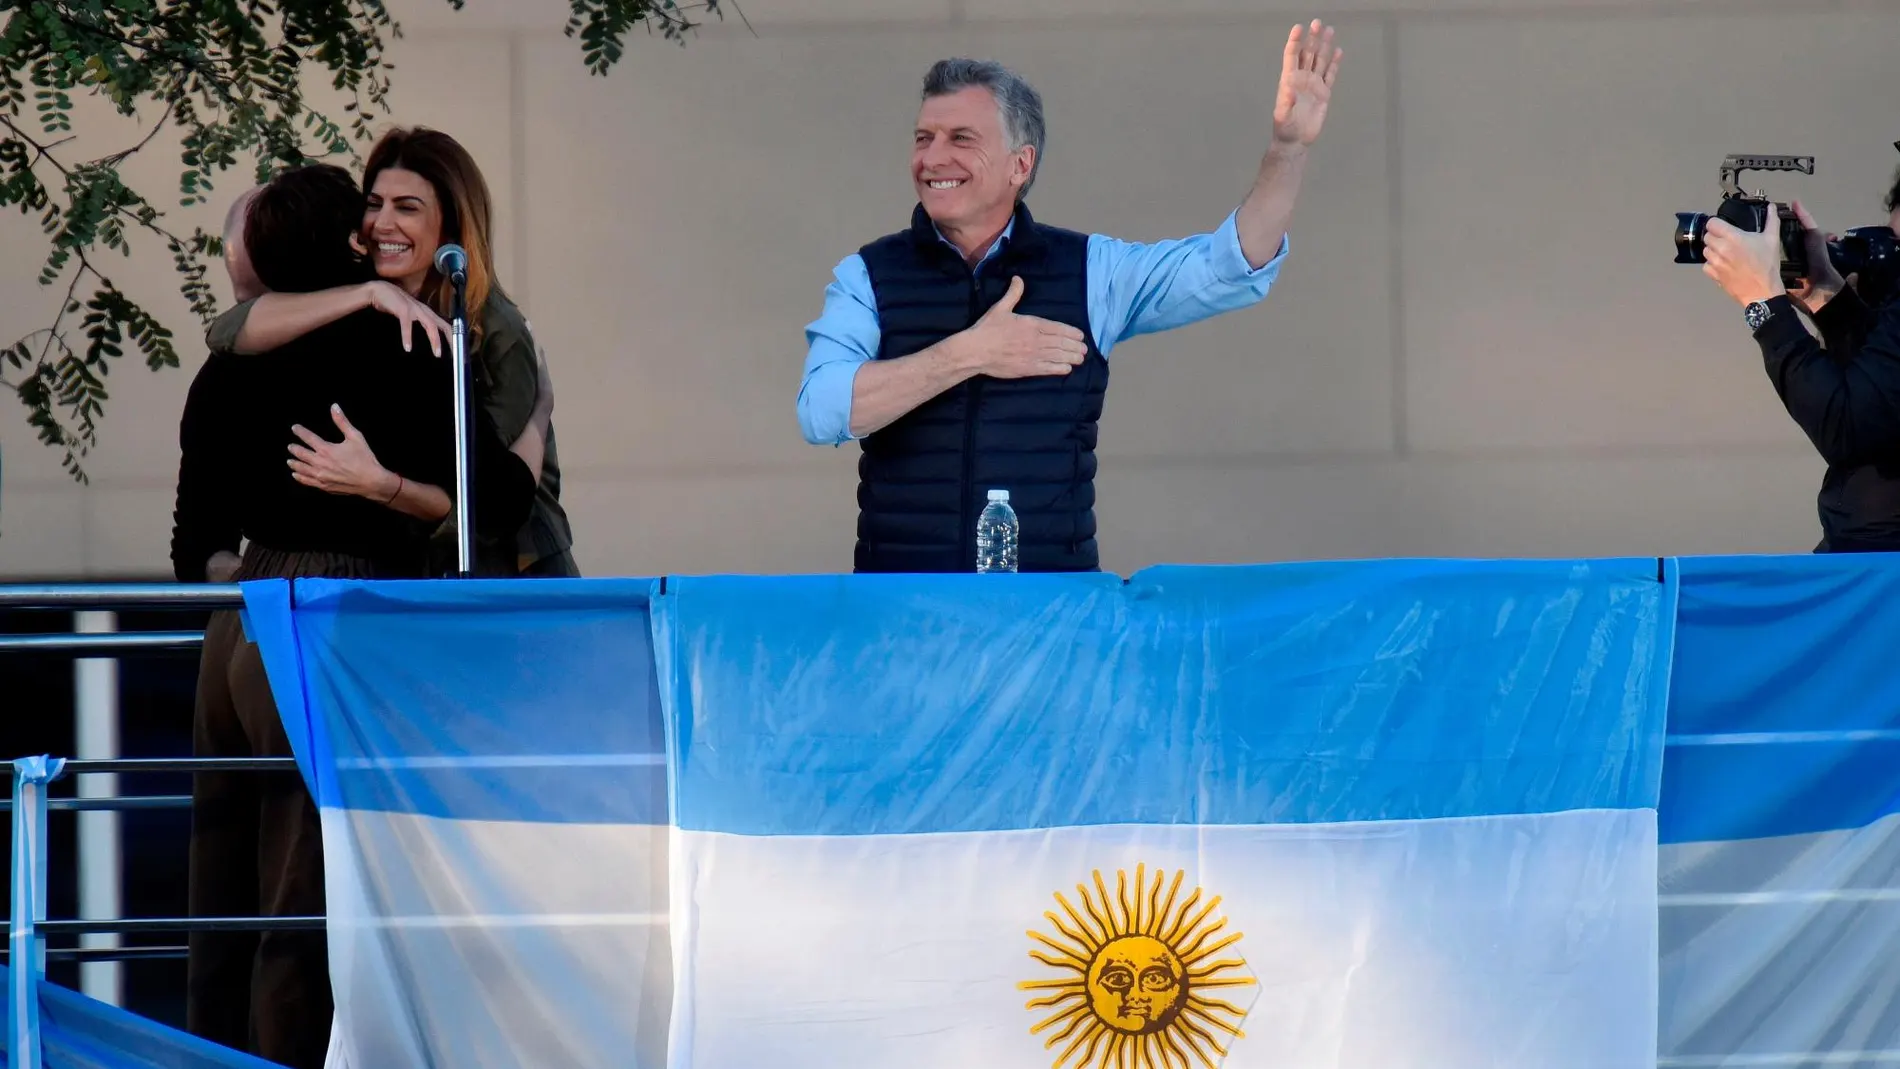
(1307, 71)
(1012, 346)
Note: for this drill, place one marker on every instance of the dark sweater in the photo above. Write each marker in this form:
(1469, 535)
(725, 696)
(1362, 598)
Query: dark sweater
(233, 476)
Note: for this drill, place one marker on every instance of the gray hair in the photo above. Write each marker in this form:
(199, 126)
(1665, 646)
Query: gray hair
(1019, 103)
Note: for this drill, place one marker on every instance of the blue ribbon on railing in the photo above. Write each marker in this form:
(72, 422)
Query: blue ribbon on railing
(30, 777)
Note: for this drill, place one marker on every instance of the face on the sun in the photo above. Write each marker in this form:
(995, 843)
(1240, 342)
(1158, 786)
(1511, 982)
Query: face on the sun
(960, 162)
(402, 226)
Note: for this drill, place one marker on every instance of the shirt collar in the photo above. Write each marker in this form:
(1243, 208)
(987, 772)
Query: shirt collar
(1002, 240)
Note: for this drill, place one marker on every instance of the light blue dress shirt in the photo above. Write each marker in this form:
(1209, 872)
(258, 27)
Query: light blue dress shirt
(1133, 289)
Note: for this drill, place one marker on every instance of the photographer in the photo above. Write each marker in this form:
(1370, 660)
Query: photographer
(1843, 388)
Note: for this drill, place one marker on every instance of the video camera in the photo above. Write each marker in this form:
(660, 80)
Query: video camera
(1748, 213)
(1870, 252)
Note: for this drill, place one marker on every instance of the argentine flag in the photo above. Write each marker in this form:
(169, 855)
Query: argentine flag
(1780, 820)
(1393, 815)
(488, 767)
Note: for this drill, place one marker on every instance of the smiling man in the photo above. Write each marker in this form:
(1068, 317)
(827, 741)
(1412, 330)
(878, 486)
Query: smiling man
(969, 352)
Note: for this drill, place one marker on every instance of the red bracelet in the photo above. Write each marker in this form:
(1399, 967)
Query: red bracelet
(398, 491)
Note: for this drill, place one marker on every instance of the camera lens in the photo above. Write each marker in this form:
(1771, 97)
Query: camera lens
(1847, 255)
(1872, 255)
(1862, 249)
(1691, 228)
(1879, 246)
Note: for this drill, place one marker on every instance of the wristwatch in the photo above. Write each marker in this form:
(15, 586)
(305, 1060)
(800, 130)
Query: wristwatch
(1757, 313)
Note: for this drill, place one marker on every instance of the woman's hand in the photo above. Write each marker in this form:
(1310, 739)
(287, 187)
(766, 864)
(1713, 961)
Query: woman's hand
(348, 467)
(392, 299)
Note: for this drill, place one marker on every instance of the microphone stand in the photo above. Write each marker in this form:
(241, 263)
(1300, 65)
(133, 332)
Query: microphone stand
(464, 486)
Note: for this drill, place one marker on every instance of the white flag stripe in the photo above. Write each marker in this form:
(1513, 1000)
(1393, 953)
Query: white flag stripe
(515, 920)
(1771, 898)
(456, 942)
(1766, 1061)
(585, 760)
(1428, 944)
(1782, 950)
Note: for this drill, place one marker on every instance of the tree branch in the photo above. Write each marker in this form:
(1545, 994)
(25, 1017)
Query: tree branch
(120, 157)
(41, 152)
(44, 152)
(78, 23)
(65, 303)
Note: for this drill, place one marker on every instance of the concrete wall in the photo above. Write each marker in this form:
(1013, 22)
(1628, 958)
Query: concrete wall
(1479, 346)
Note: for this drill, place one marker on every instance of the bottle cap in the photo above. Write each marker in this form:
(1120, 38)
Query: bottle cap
(999, 495)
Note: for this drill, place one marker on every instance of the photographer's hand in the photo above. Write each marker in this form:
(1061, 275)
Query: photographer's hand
(1746, 265)
(1824, 282)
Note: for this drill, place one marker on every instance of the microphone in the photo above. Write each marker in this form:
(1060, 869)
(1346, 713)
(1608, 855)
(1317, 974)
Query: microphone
(452, 262)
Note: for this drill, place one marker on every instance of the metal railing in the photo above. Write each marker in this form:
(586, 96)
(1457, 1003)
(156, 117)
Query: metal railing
(30, 804)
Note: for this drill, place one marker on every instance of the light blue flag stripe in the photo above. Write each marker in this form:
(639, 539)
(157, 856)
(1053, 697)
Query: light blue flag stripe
(1785, 712)
(78, 1032)
(484, 700)
(1306, 693)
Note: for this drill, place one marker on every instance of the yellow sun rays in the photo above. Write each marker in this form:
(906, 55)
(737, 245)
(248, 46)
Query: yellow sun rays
(1140, 968)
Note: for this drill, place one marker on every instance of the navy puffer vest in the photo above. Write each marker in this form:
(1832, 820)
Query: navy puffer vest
(923, 480)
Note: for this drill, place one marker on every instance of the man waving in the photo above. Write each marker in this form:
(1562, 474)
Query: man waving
(970, 351)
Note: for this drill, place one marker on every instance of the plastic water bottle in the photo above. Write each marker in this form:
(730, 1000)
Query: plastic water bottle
(996, 535)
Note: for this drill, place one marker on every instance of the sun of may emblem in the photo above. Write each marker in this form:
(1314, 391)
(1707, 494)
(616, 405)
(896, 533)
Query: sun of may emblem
(1140, 968)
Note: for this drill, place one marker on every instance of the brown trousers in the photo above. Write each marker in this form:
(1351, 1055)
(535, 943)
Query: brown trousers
(256, 850)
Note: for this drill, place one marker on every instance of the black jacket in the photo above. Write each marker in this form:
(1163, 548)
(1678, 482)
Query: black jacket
(1844, 391)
